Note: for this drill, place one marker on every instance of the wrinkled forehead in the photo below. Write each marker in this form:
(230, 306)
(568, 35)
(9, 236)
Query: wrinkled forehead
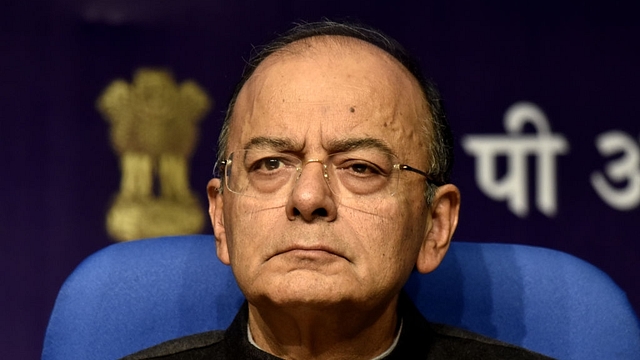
(344, 51)
(337, 70)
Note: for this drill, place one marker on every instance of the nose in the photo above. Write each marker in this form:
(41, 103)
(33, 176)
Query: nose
(311, 197)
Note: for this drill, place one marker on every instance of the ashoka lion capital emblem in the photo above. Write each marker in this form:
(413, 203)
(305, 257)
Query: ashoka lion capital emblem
(154, 132)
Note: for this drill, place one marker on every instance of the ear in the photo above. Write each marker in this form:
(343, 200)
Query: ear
(216, 205)
(444, 219)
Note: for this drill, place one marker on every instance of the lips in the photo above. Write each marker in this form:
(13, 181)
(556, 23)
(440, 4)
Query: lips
(308, 251)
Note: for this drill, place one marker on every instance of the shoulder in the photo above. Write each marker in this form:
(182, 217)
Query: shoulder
(454, 342)
(438, 341)
(180, 346)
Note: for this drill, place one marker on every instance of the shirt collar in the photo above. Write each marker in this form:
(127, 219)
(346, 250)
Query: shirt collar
(379, 357)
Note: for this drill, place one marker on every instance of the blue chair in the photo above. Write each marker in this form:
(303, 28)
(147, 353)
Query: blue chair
(133, 295)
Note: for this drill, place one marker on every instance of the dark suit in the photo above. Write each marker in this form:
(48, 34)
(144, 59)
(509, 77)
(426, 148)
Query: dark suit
(419, 339)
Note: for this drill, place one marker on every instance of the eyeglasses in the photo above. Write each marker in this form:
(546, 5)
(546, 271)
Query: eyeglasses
(268, 174)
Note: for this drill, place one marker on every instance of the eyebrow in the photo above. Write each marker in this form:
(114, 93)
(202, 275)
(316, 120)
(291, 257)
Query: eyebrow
(279, 144)
(350, 144)
(334, 146)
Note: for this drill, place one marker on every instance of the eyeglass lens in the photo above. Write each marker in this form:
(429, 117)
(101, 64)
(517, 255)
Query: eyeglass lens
(265, 174)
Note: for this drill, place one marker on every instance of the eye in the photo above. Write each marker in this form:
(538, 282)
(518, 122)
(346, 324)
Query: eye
(363, 168)
(359, 168)
(272, 164)
(267, 164)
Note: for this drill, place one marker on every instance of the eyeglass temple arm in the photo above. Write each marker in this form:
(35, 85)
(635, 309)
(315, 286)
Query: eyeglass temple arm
(217, 166)
(409, 168)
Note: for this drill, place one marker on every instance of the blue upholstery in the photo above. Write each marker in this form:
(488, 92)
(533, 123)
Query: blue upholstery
(133, 295)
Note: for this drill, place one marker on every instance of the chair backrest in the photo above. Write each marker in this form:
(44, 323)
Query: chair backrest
(132, 295)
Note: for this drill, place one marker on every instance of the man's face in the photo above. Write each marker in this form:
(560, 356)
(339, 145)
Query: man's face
(310, 248)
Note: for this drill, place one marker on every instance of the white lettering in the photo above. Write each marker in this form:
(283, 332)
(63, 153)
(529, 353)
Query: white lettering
(626, 168)
(516, 146)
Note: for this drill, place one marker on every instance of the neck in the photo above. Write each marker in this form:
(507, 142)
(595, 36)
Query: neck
(306, 332)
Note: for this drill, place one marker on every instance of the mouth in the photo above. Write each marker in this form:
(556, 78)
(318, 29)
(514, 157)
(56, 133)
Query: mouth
(308, 252)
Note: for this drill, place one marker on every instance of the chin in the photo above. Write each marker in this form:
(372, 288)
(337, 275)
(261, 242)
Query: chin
(307, 291)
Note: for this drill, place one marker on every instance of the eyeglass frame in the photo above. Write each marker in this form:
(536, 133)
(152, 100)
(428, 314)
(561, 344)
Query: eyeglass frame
(401, 167)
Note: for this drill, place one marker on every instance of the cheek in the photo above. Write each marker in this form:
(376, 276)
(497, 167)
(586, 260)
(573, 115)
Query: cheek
(389, 234)
(408, 232)
(250, 227)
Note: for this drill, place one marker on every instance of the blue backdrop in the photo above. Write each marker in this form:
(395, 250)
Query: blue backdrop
(542, 98)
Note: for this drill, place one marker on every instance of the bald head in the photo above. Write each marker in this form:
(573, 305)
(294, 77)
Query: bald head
(324, 149)
(353, 87)
(308, 40)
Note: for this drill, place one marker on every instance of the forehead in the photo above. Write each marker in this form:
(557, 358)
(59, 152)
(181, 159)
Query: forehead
(326, 88)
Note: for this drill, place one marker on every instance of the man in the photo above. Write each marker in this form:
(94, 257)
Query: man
(335, 158)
